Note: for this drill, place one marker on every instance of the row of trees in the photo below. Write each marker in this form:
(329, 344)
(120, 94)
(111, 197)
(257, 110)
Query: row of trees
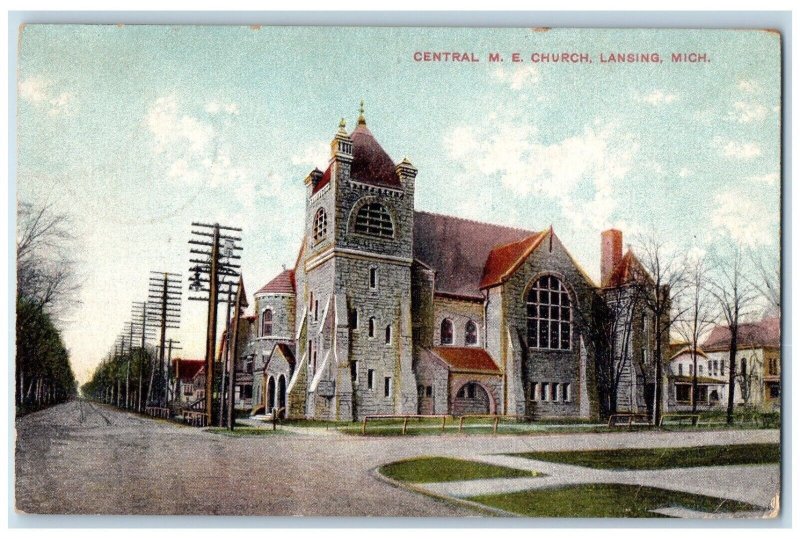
(684, 297)
(47, 284)
(124, 378)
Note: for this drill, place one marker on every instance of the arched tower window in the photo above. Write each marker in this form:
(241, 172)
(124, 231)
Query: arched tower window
(320, 224)
(471, 333)
(446, 334)
(549, 315)
(266, 323)
(373, 219)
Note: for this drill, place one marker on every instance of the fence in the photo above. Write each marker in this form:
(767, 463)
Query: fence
(405, 419)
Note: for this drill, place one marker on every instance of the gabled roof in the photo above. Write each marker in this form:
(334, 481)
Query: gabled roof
(502, 261)
(287, 350)
(687, 350)
(767, 332)
(466, 359)
(626, 270)
(186, 369)
(457, 249)
(325, 180)
(371, 164)
(282, 284)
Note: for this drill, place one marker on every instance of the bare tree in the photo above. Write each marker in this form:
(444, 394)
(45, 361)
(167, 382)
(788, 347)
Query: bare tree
(663, 280)
(698, 309)
(735, 296)
(767, 278)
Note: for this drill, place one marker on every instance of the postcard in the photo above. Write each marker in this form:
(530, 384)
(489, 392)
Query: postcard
(398, 271)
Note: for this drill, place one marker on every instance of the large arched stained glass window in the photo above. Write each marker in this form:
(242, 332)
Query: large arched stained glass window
(549, 315)
(374, 219)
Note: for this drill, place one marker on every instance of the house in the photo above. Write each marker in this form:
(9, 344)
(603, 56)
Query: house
(185, 371)
(758, 360)
(390, 310)
(712, 382)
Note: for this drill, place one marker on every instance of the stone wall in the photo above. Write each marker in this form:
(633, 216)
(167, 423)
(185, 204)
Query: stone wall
(459, 312)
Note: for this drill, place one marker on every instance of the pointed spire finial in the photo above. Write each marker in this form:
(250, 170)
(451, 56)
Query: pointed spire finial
(342, 125)
(361, 119)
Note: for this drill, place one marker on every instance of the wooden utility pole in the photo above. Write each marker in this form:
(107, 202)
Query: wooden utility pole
(233, 344)
(214, 268)
(165, 310)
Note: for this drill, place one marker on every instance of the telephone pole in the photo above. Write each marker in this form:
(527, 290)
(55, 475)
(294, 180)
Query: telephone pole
(141, 327)
(164, 308)
(218, 266)
(233, 346)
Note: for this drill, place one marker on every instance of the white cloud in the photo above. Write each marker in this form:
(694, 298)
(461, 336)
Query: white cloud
(38, 91)
(518, 77)
(657, 97)
(743, 218)
(685, 172)
(736, 149)
(772, 178)
(215, 107)
(578, 172)
(317, 154)
(746, 113)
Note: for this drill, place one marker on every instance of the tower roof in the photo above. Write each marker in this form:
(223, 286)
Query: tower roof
(371, 164)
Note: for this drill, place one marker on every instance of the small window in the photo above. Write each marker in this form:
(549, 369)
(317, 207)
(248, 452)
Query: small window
(682, 392)
(373, 219)
(554, 392)
(387, 386)
(354, 372)
(353, 318)
(471, 333)
(388, 335)
(545, 391)
(320, 224)
(680, 369)
(722, 368)
(567, 391)
(743, 368)
(691, 370)
(429, 391)
(373, 278)
(533, 388)
(446, 332)
(699, 370)
(371, 329)
(266, 323)
(316, 309)
(370, 379)
(420, 390)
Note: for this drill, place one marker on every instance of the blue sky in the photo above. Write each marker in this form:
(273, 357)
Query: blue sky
(136, 131)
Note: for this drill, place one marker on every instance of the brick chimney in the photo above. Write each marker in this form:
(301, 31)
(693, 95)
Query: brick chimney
(610, 252)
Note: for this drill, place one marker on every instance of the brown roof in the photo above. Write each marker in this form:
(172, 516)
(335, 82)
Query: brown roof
(282, 284)
(186, 369)
(502, 261)
(624, 272)
(767, 332)
(371, 164)
(458, 249)
(687, 350)
(468, 359)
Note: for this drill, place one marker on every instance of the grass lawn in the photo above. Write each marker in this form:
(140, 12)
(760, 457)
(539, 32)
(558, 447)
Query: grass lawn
(246, 431)
(605, 500)
(441, 469)
(662, 458)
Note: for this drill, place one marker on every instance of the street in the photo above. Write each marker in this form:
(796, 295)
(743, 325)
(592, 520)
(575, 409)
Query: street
(87, 458)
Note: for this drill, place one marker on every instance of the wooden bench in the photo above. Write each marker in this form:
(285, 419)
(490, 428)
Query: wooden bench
(694, 418)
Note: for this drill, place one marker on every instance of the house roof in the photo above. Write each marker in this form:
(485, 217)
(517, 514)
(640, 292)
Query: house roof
(767, 332)
(626, 270)
(467, 359)
(457, 249)
(503, 260)
(283, 283)
(186, 369)
(687, 350)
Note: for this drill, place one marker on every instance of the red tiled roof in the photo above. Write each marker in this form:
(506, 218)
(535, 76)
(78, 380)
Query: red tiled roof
(282, 284)
(325, 180)
(767, 332)
(186, 369)
(457, 249)
(371, 164)
(466, 359)
(503, 260)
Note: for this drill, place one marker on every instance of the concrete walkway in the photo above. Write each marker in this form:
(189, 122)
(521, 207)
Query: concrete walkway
(755, 484)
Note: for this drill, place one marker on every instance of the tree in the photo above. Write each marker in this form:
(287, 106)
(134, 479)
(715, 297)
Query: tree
(734, 296)
(766, 279)
(664, 278)
(697, 308)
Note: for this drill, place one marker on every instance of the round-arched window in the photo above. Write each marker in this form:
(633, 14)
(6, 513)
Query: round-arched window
(266, 323)
(373, 219)
(471, 333)
(320, 224)
(549, 315)
(446, 334)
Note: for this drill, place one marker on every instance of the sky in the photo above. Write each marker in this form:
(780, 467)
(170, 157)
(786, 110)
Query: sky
(136, 131)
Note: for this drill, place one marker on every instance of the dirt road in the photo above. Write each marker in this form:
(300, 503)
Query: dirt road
(85, 458)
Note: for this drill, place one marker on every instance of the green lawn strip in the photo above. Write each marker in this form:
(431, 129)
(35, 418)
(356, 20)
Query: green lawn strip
(245, 431)
(442, 469)
(605, 500)
(662, 458)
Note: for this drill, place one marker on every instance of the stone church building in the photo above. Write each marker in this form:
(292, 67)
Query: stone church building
(389, 310)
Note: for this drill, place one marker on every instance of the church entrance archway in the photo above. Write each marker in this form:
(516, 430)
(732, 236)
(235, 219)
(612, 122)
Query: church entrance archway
(472, 398)
(270, 395)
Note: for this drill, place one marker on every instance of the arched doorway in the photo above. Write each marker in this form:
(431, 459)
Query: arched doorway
(270, 395)
(282, 395)
(472, 398)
